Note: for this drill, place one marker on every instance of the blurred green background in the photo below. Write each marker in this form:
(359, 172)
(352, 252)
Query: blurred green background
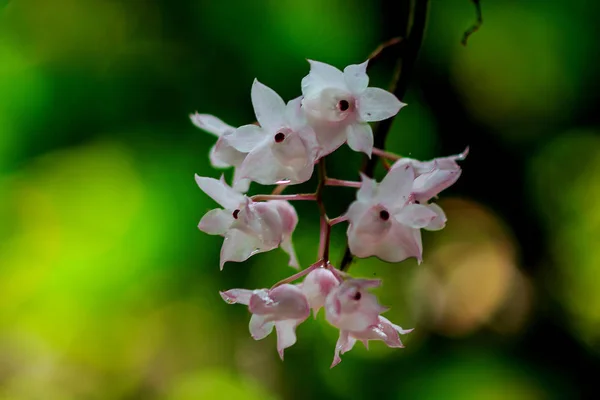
(109, 291)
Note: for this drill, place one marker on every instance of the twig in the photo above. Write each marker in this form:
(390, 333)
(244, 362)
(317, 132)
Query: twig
(475, 27)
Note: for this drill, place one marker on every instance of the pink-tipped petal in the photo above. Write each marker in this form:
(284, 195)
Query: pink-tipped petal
(375, 104)
(237, 296)
(286, 335)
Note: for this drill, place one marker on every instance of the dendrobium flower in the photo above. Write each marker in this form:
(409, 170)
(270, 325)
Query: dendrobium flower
(283, 148)
(351, 307)
(431, 177)
(316, 286)
(222, 154)
(384, 330)
(339, 106)
(248, 227)
(385, 221)
(283, 307)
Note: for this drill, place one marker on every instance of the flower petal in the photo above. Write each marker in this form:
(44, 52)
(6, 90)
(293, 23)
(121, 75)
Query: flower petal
(367, 188)
(210, 124)
(262, 167)
(344, 343)
(439, 222)
(394, 189)
(247, 137)
(287, 246)
(215, 160)
(226, 153)
(239, 246)
(283, 302)
(220, 192)
(375, 104)
(260, 326)
(286, 334)
(356, 77)
(415, 216)
(322, 76)
(216, 222)
(430, 184)
(360, 138)
(269, 107)
(400, 243)
(237, 296)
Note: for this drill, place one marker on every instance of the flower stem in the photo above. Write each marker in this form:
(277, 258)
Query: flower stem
(404, 66)
(304, 196)
(339, 182)
(337, 220)
(386, 154)
(298, 275)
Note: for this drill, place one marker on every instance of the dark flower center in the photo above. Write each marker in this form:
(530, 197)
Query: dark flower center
(384, 215)
(279, 137)
(357, 296)
(235, 214)
(344, 105)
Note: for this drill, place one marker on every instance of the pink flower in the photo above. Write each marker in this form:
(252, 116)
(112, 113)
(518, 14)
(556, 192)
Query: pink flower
(316, 286)
(384, 221)
(248, 227)
(431, 177)
(350, 306)
(339, 106)
(282, 148)
(383, 330)
(283, 307)
(222, 154)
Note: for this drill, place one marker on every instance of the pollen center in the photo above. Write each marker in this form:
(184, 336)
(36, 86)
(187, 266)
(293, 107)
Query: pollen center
(344, 105)
(357, 296)
(279, 137)
(235, 214)
(384, 215)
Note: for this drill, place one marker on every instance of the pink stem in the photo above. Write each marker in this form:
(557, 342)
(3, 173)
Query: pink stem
(337, 220)
(298, 275)
(324, 238)
(386, 154)
(264, 197)
(339, 182)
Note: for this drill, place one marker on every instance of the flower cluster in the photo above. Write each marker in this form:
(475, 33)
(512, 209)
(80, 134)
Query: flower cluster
(283, 148)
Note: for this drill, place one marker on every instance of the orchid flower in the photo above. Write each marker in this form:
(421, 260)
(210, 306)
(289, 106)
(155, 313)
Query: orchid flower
(248, 227)
(339, 105)
(283, 308)
(283, 148)
(386, 222)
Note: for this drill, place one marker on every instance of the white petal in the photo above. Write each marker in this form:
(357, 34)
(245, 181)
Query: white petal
(400, 243)
(430, 184)
(376, 104)
(288, 247)
(216, 222)
(210, 124)
(226, 153)
(360, 138)
(238, 246)
(247, 137)
(215, 160)
(322, 76)
(262, 167)
(439, 222)
(416, 216)
(345, 343)
(260, 327)
(394, 189)
(269, 107)
(241, 185)
(286, 334)
(367, 188)
(220, 192)
(356, 77)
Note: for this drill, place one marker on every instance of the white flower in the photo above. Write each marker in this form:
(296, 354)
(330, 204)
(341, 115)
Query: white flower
(339, 106)
(248, 227)
(283, 148)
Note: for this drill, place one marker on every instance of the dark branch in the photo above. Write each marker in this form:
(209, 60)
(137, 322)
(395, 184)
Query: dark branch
(476, 25)
(404, 67)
